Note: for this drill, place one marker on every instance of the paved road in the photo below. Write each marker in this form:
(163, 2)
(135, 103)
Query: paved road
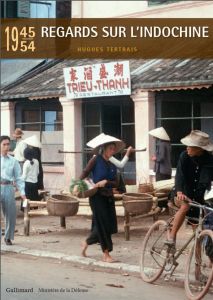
(55, 280)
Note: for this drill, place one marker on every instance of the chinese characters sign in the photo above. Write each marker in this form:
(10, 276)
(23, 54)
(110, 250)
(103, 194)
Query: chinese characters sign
(105, 79)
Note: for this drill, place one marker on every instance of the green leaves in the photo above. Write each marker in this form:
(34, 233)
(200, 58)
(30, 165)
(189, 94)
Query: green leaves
(81, 185)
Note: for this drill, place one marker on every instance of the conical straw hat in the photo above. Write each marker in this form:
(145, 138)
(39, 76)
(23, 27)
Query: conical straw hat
(33, 141)
(160, 133)
(103, 139)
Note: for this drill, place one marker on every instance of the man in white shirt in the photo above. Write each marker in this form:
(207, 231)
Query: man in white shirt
(20, 146)
(10, 175)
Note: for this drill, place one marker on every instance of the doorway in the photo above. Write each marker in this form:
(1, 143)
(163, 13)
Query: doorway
(113, 116)
(111, 120)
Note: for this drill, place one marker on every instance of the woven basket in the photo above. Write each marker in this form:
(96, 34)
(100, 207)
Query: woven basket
(137, 202)
(145, 188)
(62, 206)
(88, 193)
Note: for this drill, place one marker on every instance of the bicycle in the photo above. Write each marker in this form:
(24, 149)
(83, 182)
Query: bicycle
(158, 257)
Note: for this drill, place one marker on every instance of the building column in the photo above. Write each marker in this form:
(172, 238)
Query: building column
(72, 128)
(7, 118)
(144, 121)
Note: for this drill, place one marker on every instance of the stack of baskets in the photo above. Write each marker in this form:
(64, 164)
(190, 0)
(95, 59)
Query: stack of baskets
(146, 188)
(158, 189)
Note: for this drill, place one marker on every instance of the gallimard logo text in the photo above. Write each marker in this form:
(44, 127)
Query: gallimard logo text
(19, 290)
(125, 32)
(46, 290)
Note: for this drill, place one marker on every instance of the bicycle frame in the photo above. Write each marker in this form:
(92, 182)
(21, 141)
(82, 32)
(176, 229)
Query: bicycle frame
(194, 236)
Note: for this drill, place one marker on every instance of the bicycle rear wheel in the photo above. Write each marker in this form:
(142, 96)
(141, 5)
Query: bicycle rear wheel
(154, 252)
(199, 271)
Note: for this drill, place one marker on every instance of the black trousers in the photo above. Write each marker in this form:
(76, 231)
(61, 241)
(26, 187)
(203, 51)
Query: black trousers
(31, 191)
(104, 221)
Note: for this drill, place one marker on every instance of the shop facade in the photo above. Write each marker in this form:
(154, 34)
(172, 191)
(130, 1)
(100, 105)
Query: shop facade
(68, 124)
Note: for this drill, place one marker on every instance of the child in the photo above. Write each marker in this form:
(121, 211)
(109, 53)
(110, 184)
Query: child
(30, 175)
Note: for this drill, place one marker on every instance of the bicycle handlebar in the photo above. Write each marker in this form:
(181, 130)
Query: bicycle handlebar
(195, 204)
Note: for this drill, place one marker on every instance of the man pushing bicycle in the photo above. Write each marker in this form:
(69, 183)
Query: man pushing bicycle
(193, 177)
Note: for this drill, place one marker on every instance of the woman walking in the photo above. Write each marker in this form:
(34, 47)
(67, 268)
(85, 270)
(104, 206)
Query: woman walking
(102, 203)
(30, 174)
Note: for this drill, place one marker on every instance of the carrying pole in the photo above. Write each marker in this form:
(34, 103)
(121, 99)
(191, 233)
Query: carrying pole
(91, 150)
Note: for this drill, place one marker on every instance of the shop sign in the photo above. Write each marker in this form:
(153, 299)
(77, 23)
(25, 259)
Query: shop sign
(105, 79)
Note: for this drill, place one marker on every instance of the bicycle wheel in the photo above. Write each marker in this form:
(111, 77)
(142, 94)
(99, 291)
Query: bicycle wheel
(154, 252)
(199, 271)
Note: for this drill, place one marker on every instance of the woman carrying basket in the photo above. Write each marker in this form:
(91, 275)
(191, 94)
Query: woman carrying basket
(102, 203)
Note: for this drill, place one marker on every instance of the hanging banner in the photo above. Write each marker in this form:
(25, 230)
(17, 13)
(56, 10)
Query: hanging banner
(105, 79)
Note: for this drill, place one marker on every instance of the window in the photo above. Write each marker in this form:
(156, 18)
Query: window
(50, 9)
(39, 115)
(36, 9)
(45, 119)
(8, 9)
(161, 2)
(180, 112)
(63, 9)
(42, 9)
(113, 116)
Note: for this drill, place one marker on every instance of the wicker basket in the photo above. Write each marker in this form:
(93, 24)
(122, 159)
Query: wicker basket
(145, 188)
(62, 205)
(137, 202)
(88, 193)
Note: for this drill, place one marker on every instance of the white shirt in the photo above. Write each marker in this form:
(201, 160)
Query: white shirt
(19, 150)
(30, 172)
(119, 164)
(11, 171)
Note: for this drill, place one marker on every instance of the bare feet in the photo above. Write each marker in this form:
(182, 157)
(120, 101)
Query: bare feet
(108, 258)
(84, 247)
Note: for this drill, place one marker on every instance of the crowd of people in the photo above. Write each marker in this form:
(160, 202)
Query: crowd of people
(193, 178)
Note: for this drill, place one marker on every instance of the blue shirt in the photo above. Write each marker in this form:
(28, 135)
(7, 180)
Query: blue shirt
(11, 171)
(103, 170)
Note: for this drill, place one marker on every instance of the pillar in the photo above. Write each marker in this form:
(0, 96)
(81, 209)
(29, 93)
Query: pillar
(7, 118)
(144, 102)
(72, 127)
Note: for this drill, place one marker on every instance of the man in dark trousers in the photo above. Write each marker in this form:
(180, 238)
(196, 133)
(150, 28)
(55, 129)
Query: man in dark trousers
(193, 177)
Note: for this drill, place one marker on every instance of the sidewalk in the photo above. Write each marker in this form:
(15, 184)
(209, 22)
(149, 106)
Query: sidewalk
(48, 239)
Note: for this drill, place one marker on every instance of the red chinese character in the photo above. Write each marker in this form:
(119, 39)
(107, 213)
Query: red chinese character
(88, 73)
(118, 69)
(103, 73)
(73, 76)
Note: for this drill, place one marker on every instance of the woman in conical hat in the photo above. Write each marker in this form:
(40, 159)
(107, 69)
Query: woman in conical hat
(97, 142)
(34, 143)
(102, 203)
(162, 158)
